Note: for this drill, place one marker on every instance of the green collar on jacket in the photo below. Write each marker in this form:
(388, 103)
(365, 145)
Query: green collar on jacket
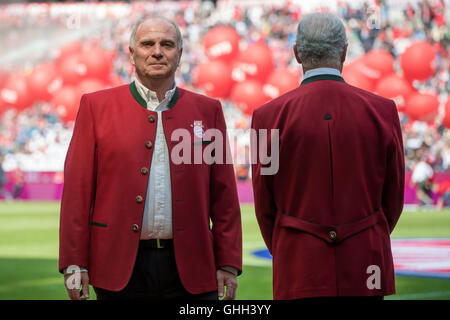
(142, 102)
(322, 77)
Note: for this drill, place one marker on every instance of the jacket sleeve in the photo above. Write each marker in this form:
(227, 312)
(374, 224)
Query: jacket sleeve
(265, 208)
(225, 209)
(78, 192)
(394, 184)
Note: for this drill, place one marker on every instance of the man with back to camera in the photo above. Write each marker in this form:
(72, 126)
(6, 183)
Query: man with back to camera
(327, 214)
(134, 224)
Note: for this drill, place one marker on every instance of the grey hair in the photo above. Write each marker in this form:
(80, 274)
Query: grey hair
(143, 19)
(321, 39)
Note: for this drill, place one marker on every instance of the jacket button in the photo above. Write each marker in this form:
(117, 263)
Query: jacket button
(135, 228)
(332, 235)
(148, 144)
(139, 199)
(151, 119)
(144, 170)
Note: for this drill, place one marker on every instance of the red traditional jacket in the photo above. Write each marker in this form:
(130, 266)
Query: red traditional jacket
(105, 188)
(327, 214)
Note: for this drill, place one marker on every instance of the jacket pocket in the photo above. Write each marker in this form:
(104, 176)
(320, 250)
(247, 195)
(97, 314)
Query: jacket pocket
(98, 224)
(202, 142)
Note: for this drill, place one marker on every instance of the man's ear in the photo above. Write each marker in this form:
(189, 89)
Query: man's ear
(131, 55)
(296, 54)
(344, 53)
(181, 53)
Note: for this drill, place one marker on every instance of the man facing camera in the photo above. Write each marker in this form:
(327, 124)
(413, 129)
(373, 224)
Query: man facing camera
(135, 223)
(327, 214)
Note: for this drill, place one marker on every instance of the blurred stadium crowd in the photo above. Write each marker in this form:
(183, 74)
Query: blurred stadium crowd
(36, 138)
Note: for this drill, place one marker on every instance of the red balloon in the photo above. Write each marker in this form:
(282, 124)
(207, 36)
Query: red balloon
(90, 85)
(380, 61)
(396, 88)
(221, 43)
(281, 81)
(115, 80)
(237, 74)
(353, 76)
(359, 65)
(422, 107)
(3, 77)
(72, 69)
(110, 56)
(214, 77)
(43, 82)
(446, 120)
(66, 103)
(15, 93)
(418, 61)
(3, 106)
(248, 96)
(97, 61)
(70, 48)
(256, 62)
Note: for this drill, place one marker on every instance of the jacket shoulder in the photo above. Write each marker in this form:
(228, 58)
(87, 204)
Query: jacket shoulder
(275, 105)
(372, 97)
(383, 106)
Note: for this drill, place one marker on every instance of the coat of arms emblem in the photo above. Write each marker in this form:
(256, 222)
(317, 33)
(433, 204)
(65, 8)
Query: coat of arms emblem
(199, 132)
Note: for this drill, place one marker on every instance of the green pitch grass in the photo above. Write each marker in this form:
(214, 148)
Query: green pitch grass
(29, 254)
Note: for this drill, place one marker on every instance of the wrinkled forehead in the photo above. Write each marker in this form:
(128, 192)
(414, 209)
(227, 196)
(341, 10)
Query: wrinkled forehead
(156, 28)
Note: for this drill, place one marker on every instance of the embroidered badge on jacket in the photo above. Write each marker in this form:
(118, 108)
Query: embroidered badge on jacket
(199, 132)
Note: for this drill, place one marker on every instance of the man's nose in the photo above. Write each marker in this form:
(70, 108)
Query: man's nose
(157, 51)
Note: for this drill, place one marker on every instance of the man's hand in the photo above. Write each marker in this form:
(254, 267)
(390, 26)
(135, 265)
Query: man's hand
(229, 280)
(74, 282)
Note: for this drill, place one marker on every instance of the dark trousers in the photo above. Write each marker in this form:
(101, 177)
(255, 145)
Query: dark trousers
(155, 276)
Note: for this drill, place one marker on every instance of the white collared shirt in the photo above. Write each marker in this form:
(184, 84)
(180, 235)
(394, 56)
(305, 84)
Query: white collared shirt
(318, 71)
(157, 219)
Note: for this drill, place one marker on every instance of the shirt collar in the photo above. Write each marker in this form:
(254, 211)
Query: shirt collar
(151, 97)
(319, 71)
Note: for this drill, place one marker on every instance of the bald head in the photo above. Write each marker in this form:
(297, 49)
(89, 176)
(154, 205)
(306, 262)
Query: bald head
(321, 40)
(156, 20)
